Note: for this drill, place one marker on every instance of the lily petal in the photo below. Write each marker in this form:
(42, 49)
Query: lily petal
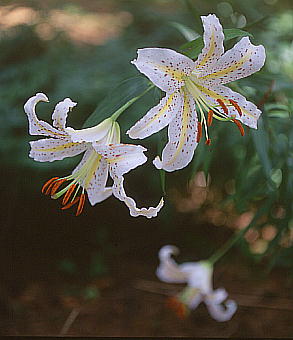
(239, 62)
(60, 113)
(96, 176)
(51, 149)
(158, 117)
(221, 313)
(250, 113)
(121, 157)
(169, 270)
(119, 192)
(36, 126)
(213, 43)
(182, 134)
(167, 69)
(199, 275)
(91, 134)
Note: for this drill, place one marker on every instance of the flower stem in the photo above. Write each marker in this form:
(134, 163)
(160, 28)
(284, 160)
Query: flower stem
(130, 102)
(230, 243)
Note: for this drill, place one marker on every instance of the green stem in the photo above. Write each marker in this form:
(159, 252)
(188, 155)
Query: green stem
(116, 114)
(230, 243)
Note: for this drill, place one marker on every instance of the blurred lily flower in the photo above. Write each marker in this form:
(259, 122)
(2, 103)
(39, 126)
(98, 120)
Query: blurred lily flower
(103, 155)
(195, 92)
(198, 276)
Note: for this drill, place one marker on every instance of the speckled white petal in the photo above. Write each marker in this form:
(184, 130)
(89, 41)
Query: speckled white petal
(91, 134)
(158, 117)
(119, 192)
(36, 126)
(168, 270)
(96, 175)
(213, 43)
(166, 68)
(50, 149)
(182, 134)
(240, 61)
(122, 157)
(60, 113)
(221, 313)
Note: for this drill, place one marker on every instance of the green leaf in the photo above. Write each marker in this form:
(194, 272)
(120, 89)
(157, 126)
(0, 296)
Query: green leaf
(118, 97)
(196, 16)
(231, 33)
(187, 32)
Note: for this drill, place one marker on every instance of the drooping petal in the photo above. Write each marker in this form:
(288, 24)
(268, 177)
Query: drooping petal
(91, 134)
(51, 149)
(168, 270)
(93, 170)
(158, 117)
(60, 113)
(182, 134)
(119, 192)
(240, 61)
(199, 275)
(166, 68)
(221, 312)
(213, 43)
(36, 126)
(250, 113)
(121, 157)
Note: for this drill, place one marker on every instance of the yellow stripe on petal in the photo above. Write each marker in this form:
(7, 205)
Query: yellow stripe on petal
(231, 68)
(209, 53)
(58, 148)
(183, 130)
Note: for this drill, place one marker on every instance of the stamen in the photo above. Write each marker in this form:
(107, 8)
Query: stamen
(47, 184)
(223, 106)
(239, 125)
(237, 107)
(80, 205)
(71, 203)
(210, 117)
(56, 186)
(208, 142)
(68, 194)
(179, 307)
(199, 132)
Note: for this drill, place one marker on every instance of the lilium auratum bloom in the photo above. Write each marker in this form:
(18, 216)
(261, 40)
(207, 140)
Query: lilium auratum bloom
(198, 276)
(195, 92)
(103, 155)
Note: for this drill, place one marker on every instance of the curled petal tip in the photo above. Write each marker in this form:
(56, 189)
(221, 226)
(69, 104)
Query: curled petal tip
(166, 251)
(158, 163)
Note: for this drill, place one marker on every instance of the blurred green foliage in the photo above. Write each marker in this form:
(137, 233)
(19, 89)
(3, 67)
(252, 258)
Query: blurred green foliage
(260, 164)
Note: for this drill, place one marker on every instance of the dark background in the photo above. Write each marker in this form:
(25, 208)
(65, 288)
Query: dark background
(99, 268)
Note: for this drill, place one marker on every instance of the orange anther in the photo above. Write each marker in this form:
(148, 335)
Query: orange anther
(223, 106)
(208, 141)
(179, 307)
(68, 194)
(210, 117)
(47, 184)
(80, 205)
(199, 132)
(237, 107)
(56, 186)
(239, 125)
(71, 203)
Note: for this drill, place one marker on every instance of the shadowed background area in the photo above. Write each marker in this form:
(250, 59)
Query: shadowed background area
(94, 275)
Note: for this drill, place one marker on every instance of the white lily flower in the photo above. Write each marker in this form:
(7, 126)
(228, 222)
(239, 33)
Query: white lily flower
(103, 154)
(198, 276)
(195, 92)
